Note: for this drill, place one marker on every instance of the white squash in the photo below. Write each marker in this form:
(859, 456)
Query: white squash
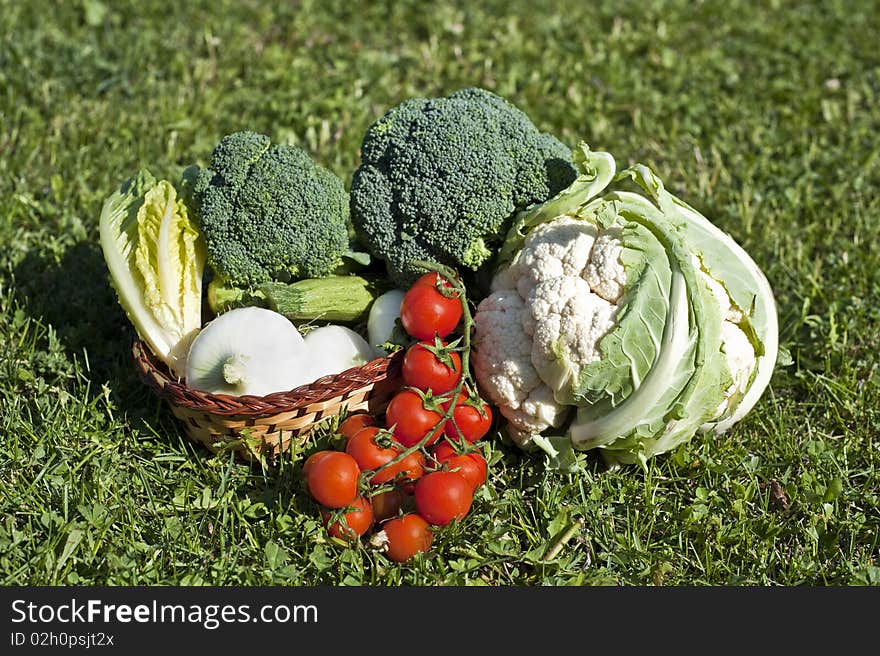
(247, 350)
(333, 349)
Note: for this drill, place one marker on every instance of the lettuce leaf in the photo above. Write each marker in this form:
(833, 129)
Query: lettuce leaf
(156, 258)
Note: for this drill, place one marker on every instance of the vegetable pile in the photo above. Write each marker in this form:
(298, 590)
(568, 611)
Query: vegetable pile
(269, 229)
(618, 317)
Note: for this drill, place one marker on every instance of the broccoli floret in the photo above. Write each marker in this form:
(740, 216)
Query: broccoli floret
(440, 179)
(268, 212)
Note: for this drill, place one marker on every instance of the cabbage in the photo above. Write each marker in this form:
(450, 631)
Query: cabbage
(156, 258)
(694, 339)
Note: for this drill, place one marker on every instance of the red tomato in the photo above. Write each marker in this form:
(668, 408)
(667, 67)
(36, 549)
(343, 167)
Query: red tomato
(354, 523)
(422, 369)
(407, 536)
(471, 465)
(386, 504)
(430, 279)
(472, 424)
(410, 419)
(443, 496)
(443, 451)
(310, 462)
(366, 452)
(333, 479)
(425, 312)
(353, 423)
(409, 469)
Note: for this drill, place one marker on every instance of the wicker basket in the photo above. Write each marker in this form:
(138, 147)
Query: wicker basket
(257, 427)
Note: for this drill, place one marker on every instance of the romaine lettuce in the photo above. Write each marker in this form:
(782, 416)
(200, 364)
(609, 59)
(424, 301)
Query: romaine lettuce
(156, 258)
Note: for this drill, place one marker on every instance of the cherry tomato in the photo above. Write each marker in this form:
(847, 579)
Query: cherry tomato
(471, 465)
(407, 536)
(472, 424)
(430, 279)
(442, 451)
(386, 504)
(333, 479)
(366, 452)
(408, 469)
(310, 462)
(410, 419)
(425, 312)
(353, 423)
(443, 496)
(422, 369)
(354, 523)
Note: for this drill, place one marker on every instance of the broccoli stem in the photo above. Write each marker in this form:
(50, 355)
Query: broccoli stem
(338, 299)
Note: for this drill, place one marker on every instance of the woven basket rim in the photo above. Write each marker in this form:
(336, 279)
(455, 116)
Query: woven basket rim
(156, 374)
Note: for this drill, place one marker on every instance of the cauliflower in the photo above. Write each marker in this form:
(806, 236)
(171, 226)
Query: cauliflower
(738, 351)
(502, 362)
(541, 322)
(631, 319)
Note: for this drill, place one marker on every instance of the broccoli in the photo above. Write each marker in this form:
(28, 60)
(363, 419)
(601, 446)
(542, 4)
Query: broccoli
(268, 212)
(440, 179)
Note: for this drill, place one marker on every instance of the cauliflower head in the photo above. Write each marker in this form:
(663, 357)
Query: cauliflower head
(626, 321)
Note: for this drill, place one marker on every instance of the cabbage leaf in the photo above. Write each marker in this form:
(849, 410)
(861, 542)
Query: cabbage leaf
(664, 372)
(156, 256)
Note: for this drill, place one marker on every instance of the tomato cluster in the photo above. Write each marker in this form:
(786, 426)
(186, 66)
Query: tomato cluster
(419, 467)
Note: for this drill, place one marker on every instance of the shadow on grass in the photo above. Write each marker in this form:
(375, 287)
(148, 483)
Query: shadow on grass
(74, 296)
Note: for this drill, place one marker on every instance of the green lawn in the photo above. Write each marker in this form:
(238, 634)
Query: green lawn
(763, 115)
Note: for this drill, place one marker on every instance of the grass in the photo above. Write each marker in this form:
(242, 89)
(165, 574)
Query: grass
(764, 115)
